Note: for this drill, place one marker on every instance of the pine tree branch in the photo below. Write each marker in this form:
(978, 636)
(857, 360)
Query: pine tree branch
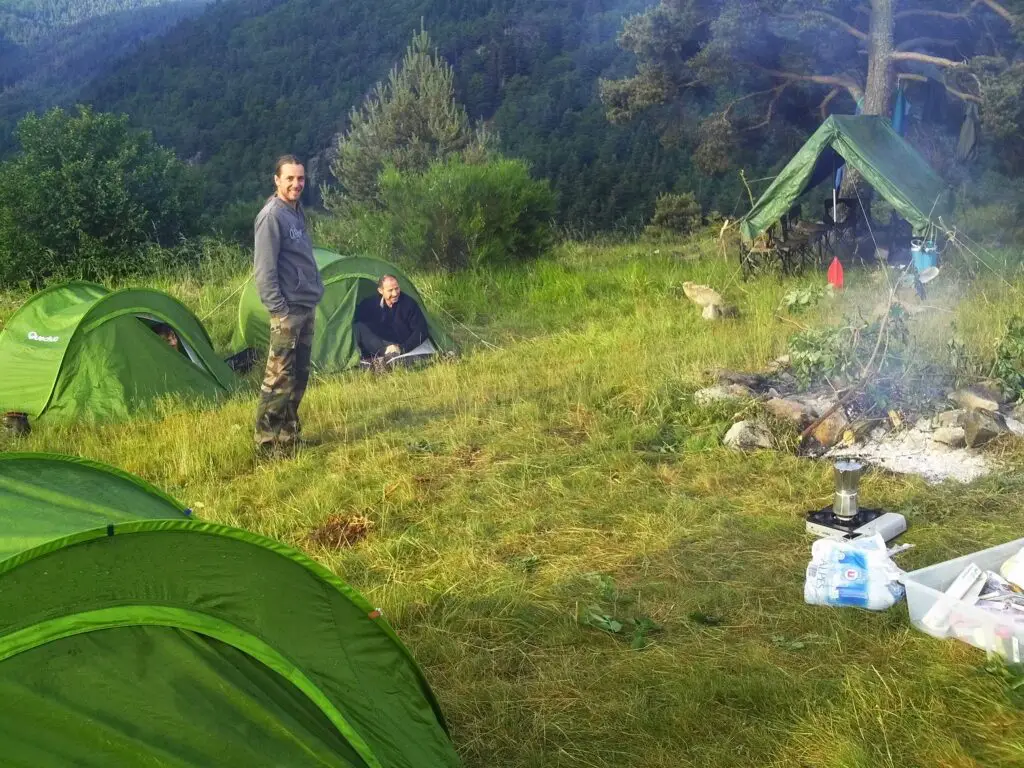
(728, 107)
(992, 5)
(835, 20)
(771, 107)
(835, 80)
(917, 42)
(935, 14)
(949, 89)
(828, 98)
(997, 9)
(938, 61)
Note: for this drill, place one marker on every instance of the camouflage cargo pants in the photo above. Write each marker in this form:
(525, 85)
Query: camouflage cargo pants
(291, 345)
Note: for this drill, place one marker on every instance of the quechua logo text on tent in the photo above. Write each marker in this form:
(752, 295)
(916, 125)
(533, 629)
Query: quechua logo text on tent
(48, 339)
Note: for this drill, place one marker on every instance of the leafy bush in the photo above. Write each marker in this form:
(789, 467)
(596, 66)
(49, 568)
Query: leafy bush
(845, 351)
(801, 299)
(86, 194)
(1008, 368)
(457, 215)
(235, 222)
(990, 208)
(675, 215)
(820, 352)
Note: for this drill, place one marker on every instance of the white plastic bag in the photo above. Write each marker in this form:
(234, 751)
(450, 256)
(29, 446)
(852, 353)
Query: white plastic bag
(856, 574)
(1013, 570)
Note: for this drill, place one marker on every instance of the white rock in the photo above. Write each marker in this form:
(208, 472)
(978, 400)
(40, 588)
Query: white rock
(1015, 426)
(955, 437)
(951, 418)
(702, 295)
(748, 436)
(721, 392)
(976, 398)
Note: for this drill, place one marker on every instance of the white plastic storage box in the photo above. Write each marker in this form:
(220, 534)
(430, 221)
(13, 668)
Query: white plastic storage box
(980, 628)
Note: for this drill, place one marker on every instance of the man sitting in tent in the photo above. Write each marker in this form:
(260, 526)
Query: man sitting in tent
(389, 324)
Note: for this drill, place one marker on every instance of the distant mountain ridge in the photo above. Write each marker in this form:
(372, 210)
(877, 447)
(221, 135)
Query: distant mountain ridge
(50, 48)
(25, 21)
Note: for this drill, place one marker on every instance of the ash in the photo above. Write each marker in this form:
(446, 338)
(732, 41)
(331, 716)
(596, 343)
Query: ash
(913, 452)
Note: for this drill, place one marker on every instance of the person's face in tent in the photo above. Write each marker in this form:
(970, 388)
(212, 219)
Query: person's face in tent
(170, 337)
(390, 291)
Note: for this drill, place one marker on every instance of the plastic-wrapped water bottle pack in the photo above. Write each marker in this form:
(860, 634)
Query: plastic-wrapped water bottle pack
(857, 574)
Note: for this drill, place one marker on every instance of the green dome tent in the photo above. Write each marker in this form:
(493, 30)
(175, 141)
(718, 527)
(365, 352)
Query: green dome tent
(80, 351)
(132, 634)
(347, 281)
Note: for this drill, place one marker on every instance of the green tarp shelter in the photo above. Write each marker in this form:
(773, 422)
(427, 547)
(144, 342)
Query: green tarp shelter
(347, 281)
(865, 142)
(132, 634)
(79, 351)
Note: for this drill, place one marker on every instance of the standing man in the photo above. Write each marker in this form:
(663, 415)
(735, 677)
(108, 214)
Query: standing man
(289, 285)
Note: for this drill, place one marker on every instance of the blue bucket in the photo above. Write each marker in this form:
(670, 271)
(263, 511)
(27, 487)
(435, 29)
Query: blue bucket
(923, 260)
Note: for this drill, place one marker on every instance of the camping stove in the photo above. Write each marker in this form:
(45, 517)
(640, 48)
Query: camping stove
(846, 519)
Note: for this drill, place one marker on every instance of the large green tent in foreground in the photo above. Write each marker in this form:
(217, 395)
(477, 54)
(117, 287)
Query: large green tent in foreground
(132, 634)
(79, 351)
(865, 142)
(347, 281)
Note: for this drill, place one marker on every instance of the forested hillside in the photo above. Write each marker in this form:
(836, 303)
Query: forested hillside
(25, 21)
(253, 78)
(50, 48)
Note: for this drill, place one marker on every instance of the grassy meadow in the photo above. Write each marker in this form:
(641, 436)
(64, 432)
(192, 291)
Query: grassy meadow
(587, 576)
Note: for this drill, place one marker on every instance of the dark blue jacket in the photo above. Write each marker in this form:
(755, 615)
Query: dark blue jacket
(403, 324)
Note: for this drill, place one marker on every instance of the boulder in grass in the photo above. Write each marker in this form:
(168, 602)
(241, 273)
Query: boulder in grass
(748, 436)
(721, 392)
(981, 425)
(977, 397)
(790, 410)
(954, 437)
(831, 430)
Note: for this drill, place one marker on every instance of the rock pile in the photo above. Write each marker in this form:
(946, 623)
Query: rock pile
(936, 447)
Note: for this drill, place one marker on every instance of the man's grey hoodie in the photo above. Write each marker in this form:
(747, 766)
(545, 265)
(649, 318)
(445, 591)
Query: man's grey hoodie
(285, 271)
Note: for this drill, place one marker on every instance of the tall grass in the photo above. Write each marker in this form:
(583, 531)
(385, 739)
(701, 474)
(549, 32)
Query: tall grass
(561, 471)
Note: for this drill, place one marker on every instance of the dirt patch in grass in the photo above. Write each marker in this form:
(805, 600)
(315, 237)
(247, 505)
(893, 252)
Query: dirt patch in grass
(341, 531)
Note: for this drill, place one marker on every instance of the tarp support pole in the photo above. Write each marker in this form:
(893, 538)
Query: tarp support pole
(833, 189)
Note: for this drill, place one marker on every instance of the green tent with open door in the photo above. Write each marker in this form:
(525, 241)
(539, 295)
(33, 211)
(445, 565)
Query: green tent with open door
(868, 143)
(347, 281)
(132, 634)
(79, 351)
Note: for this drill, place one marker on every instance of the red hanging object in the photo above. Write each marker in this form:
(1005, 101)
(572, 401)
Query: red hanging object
(835, 273)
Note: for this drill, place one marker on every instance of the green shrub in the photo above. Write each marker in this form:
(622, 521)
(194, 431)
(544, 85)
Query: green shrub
(1008, 367)
(453, 216)
(990, 209)
(234, 222)
(675, 215)
(86, 195)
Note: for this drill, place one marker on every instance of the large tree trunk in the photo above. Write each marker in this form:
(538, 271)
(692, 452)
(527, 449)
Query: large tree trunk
(878, 87)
